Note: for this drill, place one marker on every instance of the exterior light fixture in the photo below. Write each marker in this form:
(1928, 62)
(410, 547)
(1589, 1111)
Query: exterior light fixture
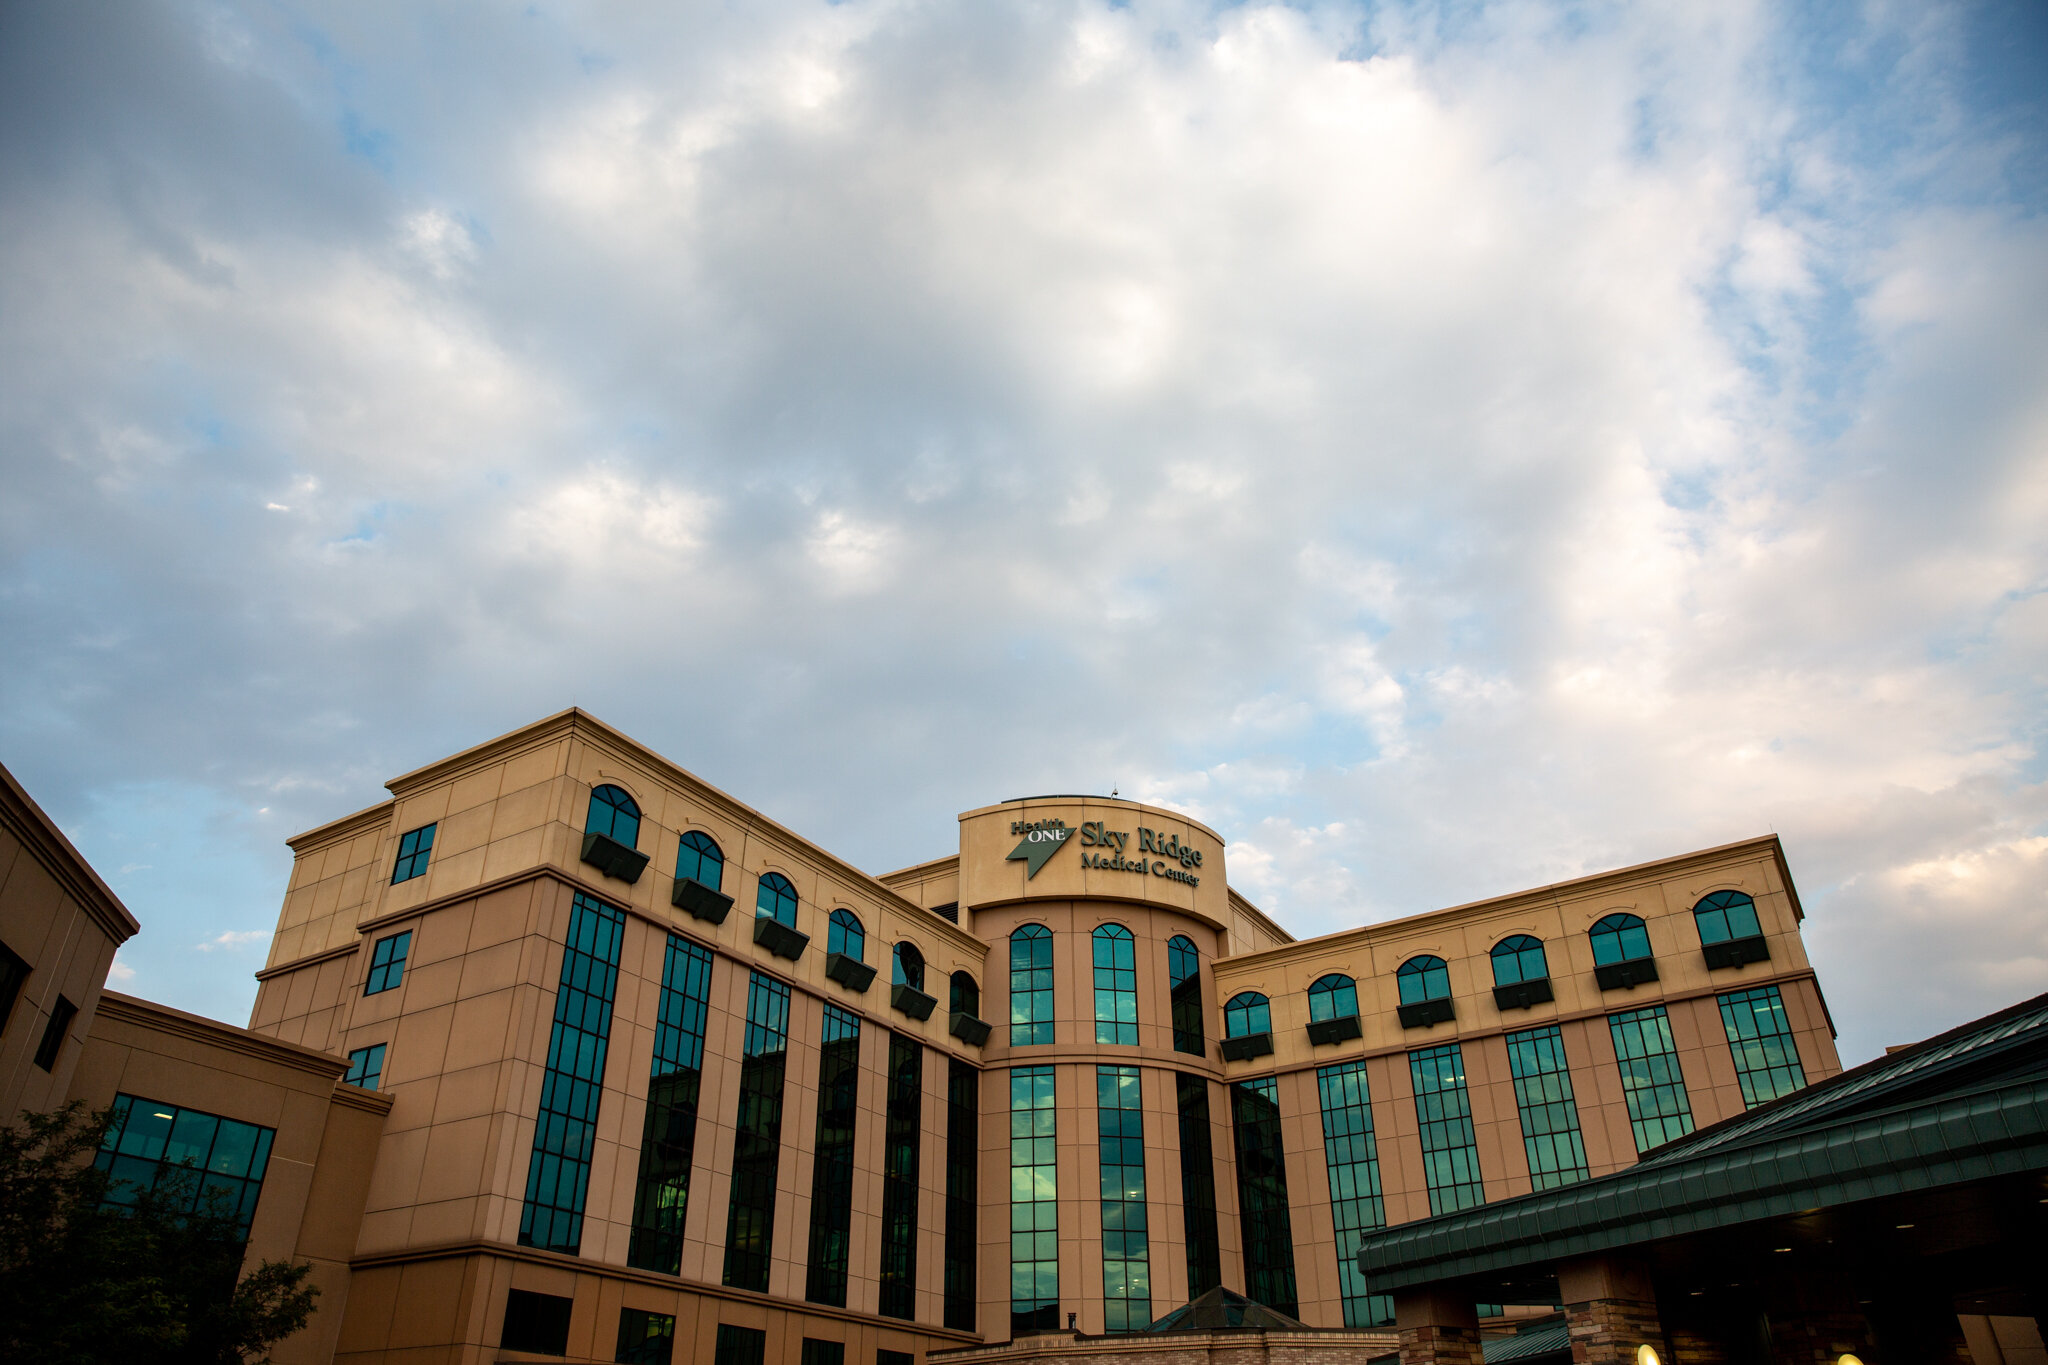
(1645, 1355)
(1849, 1358)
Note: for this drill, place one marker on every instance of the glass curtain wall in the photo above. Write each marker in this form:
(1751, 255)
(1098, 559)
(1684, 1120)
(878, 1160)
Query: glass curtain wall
(1550, 1115)
(1651, 1078)
(1034, 1202)
(1262, 1195)
(832, 1165)
(757, 1135)
(1198, 1185)
(1356, 1204)
(1450, 1149)
(900, 1143)
(1760, 1037)
(1126, 1246)
(558, 1176)
(668, 1134)
(963, 1161)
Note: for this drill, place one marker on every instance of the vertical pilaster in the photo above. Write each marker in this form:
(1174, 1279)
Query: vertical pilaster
(1611, 1307)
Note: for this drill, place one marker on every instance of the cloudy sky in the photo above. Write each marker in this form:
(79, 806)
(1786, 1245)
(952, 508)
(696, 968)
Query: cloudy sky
(1447, 447)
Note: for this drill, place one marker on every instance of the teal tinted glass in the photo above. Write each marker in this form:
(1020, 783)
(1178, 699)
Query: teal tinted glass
(613, 814)
(845, 936)
(1518, 959)
(1423, 978)
(1034, 1201)
(775, 897)
(1760, 1039)
(558, 1174)
(1549, 1113)
(1356, 1203)
(1031, 986)
(1443, 1109)
(1333, 997)
(699, 858)
(1245, 1014)
(1619, 938)
(1651, 1079)
(1724, 916)
(1116, 986)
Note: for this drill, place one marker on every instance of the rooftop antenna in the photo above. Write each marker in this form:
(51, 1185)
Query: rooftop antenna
(1112, 790)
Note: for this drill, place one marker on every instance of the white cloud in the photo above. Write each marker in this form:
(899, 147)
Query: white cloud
(232, 939)
(1445, 452)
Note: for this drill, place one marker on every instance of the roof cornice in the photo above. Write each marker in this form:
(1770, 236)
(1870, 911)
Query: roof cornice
(39, 833)
(147, 1014)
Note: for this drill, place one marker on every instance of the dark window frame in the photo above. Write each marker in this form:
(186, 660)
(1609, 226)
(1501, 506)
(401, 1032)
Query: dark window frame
(415, 847)
(609, 815)
(388, 956)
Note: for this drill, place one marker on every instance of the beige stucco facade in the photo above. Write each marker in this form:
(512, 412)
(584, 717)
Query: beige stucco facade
(419, 1268)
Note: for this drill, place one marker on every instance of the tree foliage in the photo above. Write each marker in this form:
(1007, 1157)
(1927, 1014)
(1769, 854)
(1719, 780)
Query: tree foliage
(147, 1283)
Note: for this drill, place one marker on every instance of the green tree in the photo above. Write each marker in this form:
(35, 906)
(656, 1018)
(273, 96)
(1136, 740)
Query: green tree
(147, 1283)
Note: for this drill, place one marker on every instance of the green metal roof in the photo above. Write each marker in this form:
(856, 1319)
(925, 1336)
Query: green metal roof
(1970, 1104)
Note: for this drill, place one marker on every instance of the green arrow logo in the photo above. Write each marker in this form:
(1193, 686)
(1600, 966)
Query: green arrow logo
(1038, 845)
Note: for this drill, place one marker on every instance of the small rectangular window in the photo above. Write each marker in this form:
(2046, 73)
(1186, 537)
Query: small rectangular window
(13, 976)
(387, 963)
(61, 1015)
(740, 1346)
(366, 1066)
(887, 1357)
(645, 1338)
(536, 1323)
(816, 1352)
(413, 848)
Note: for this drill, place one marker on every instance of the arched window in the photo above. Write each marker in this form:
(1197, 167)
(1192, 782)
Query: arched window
(1519, 958)
(698, 858)
(966, 996)
(844, 935)
(1247, 1013)
(1620, 937)
(613, 814)
(1333, 997)
(1184, 977)
(776, 899)
(1423, 978)
(909, 966)
(1030, 986)
(1116, 986)
(1725, 916)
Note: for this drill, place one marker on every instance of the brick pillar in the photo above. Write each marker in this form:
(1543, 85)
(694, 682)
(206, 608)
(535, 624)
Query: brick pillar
(1612, 1309)
(1437, 1328)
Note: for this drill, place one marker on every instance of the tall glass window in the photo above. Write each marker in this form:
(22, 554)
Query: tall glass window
(845, 936)
(963, 1205)
(668, 1135)
(775, 897)
(1116, 986)
(1262, 1195)
(1760, 1037)
(832, 1169)
(1333, 997)
(1198, 1185)
(1031, 986)
(558, 1176)
(1550, 1116)
(1450, 1151)
(1247, 1013)
(198, 1162)
(1126, 1247)
(613, 814)
(1356, 1204)
(757, 1135)
(1034, 1202)
(1184, 976)
(735, 1345)
(645, 1338)
(963, 996)
(699, 858)
(1519, 958)
(1651, 1078)
(900, 1143)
